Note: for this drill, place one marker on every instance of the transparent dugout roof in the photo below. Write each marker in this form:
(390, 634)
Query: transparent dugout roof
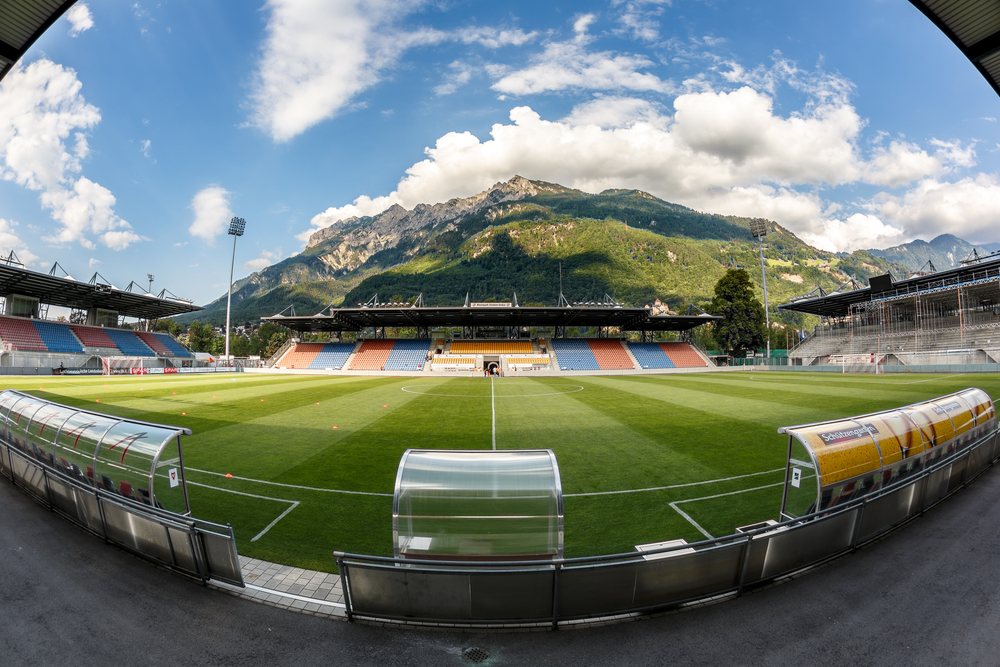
(478, 505)
(131, 459)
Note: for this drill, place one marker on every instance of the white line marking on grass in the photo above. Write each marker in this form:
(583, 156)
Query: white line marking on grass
(493, 402)
(694, 523)
(673, 486)
(929, 379)
(691, 521)
(288, 486)
(294, 504)
(576, 388)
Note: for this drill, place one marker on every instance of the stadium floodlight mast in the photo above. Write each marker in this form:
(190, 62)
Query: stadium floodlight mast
(758, 229)
(236, 227)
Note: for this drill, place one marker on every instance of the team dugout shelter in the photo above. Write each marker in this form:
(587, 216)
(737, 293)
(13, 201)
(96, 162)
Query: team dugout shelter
(471, 505)
(831, 463)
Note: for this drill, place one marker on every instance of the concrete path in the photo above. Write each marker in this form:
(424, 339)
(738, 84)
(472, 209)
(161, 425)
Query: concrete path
(928, 594)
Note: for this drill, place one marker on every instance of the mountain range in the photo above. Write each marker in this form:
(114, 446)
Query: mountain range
(540, 239)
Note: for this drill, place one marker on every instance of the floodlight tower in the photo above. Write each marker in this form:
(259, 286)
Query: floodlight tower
(236, 227)
(758, 228)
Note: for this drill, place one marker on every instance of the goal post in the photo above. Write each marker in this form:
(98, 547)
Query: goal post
(122, 366)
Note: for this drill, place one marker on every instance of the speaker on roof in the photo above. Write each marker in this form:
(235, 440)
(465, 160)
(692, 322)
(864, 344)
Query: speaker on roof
(880, 283)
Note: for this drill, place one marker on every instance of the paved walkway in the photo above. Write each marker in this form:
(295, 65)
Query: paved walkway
(926, 595)
(307, 591)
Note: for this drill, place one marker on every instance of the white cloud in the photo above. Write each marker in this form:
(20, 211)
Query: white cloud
(362, 206)
(613, 111)
(144, 147)
(319, 55)
(494, 38)
(264, 260)
(967, 208)
(569, 64)
(211, 213)
(40, 107)
(80, 19)
(93, 262)
(10, 241)
(458, 76)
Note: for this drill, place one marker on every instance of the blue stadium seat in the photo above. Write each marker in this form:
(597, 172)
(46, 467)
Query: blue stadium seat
(58, 337)
(172, 345)
(129, 343)
(650, 355)
(574, 355)
(333, 356)
(408, 355)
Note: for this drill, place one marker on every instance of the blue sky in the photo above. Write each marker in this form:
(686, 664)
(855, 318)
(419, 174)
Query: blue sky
(132, 132)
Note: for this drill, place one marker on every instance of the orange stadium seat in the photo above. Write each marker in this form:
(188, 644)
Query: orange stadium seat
(610, 354)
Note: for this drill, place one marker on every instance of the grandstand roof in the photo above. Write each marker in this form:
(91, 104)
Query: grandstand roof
(24, 21)
(837, 304)
(974, 27)
(69, 293)
(357, 319)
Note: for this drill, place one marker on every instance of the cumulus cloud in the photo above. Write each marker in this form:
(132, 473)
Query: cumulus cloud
(41, 108)
(10, 241)
(93, 262)
(80, 19)
(319, 55)
(264, 260)
(967, 207)
(614, 111)
(211, 213)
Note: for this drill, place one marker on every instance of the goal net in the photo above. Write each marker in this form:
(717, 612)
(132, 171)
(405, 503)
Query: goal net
(123, 366)
(859, 363)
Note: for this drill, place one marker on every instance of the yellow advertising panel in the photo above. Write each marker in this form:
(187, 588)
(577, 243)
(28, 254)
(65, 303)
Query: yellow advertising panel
(843, 449)
(958, 411)
(889, 430)
(940, 422)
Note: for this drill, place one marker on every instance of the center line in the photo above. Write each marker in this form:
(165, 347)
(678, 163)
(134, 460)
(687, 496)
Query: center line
(493, 403)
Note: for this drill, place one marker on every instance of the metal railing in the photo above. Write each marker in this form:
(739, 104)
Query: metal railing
(550, 593)
(194, 547)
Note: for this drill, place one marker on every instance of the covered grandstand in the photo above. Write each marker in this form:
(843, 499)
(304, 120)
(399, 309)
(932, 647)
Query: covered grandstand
(29, 340)
(502, 337)
(947, 317)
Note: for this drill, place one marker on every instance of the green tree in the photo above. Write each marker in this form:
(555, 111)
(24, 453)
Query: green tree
(742, 324)
(170, 327)
(201, 337)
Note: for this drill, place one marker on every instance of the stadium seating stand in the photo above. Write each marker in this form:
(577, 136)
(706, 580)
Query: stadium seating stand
(610, 354)
(408, 355)
(372, 355)
(21, 334)
(57, 337)
(93, 336)
(130, 344)
(574, 355)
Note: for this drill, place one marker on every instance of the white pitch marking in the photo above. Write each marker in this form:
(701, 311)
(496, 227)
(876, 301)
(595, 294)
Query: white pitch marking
(577, 388)
(493, 402)
(294, 504)
(694, 523)
(289, 486)
(673, 486)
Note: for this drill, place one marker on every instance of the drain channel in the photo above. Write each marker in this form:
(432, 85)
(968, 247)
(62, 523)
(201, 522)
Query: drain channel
(475, 655)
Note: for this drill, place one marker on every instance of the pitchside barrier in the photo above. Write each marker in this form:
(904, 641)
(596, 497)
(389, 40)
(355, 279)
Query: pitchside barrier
(561, 590)
(66, 458)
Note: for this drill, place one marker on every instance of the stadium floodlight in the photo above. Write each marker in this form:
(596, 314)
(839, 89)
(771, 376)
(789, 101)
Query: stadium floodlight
(758, 229)
(236, 227)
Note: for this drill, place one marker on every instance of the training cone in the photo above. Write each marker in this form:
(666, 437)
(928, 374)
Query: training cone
(385, 405)
(229, 474)
(183, 413)
(334, 427)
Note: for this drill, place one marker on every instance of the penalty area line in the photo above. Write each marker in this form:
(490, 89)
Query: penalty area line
(294, 504)
(674, 505)
(290, 486)
(673, 486)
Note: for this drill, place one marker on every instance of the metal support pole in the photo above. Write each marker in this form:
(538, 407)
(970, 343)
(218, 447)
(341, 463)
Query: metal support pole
(229, 296)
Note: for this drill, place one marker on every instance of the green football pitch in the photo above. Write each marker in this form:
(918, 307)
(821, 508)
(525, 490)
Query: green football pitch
(643, 459)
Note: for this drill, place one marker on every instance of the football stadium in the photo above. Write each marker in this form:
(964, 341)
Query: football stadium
(507, 466)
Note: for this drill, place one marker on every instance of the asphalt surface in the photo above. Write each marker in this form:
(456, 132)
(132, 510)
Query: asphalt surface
(927, 594)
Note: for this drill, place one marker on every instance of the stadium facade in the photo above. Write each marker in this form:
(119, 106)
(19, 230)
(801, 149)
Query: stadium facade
(944, 317)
